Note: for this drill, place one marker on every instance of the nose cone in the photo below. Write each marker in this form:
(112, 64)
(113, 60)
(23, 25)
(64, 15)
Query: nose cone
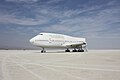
(31, 41)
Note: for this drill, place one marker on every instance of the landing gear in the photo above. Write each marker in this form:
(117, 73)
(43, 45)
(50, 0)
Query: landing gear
(74, 50)
(81, 50)
(43, 51)
(67, 50)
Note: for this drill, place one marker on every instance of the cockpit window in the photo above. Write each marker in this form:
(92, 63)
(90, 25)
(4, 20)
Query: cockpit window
(41, 34)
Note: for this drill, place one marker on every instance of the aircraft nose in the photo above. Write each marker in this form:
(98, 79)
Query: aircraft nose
(31, 40)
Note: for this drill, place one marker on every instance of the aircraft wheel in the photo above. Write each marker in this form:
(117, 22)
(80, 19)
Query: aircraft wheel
(67, 50)
(79, 51)
(82, 50)
(74, 50)
(43, 51)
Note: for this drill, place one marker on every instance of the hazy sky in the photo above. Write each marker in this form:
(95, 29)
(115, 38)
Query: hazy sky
(96, 20)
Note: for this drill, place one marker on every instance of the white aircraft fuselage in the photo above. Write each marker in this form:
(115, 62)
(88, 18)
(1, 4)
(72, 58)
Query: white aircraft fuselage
(52, 40)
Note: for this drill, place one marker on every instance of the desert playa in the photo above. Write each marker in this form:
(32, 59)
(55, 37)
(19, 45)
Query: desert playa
(32, 65)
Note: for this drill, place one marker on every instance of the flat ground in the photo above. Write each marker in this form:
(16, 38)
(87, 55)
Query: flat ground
(32, 65)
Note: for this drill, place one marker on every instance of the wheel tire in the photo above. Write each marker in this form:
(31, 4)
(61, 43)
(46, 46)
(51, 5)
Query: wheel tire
(82, 50)
(67, 50)
(74, 51)
(79, 51)
(42, 51)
